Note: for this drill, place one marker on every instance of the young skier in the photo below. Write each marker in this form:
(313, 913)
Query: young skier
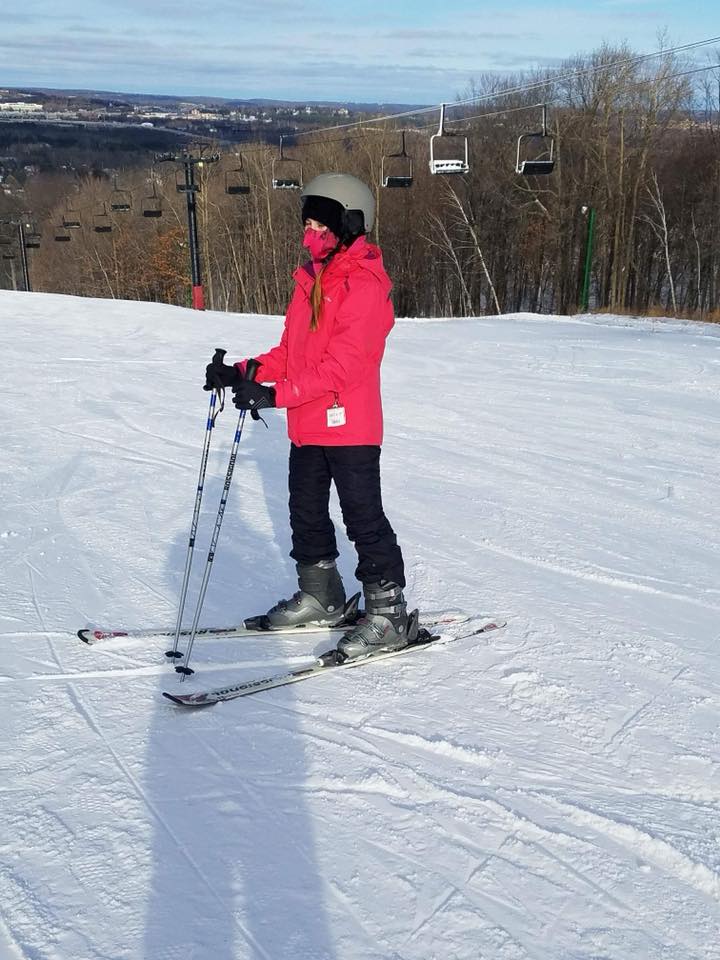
(326, 372)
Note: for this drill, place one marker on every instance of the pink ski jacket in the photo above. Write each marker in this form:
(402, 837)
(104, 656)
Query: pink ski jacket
(340, 361)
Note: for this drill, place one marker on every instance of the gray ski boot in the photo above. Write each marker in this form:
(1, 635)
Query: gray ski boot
(319, 602)
(384, 625)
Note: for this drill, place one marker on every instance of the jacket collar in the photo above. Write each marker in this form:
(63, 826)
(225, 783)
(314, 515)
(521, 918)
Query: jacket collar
(361, 254)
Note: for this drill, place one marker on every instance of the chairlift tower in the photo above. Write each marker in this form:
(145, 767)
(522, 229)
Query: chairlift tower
(186, 183)
(28, 238)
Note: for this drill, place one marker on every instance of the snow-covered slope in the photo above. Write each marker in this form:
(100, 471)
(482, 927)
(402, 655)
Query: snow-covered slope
(551, 792)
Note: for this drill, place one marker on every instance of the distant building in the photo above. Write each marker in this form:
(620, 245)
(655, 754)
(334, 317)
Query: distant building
(19, 107)
(197, 114)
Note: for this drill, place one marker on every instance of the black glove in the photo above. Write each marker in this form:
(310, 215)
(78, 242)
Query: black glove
(219, 374)
(248, 395)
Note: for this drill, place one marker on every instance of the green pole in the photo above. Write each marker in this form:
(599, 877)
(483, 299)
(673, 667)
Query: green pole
(585, 295)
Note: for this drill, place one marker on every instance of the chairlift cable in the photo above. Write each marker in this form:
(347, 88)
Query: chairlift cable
(498, 94)
(550, 100)
(481, 116)
(581, 73)
(521, 88)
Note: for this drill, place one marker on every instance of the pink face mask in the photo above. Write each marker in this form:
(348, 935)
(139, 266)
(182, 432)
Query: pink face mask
(319, 243)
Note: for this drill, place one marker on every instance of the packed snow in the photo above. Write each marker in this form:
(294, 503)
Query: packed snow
(550, 792)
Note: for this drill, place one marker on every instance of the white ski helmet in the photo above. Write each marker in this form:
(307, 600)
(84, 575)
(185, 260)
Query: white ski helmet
(355, 198)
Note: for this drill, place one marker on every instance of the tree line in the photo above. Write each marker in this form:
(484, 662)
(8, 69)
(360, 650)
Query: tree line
(637, 144)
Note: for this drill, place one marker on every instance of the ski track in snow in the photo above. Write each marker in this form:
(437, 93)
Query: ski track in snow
(550, 792)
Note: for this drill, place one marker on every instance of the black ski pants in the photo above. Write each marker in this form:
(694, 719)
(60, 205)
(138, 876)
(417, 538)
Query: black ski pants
(355, 470)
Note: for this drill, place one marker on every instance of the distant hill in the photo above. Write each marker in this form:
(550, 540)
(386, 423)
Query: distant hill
(169, 100)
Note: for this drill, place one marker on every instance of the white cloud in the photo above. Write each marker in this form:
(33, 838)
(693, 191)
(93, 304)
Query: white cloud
(281, 48)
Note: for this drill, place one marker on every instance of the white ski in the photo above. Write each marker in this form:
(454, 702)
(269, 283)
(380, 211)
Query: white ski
(321, 667)
(92, 636)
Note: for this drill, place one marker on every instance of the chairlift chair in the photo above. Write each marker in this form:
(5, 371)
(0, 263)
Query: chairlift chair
(182, 186)
(102, 222)
(287, 173)
(152, 204)
(32, 240)
(236, 181)
(540, 165)
(458, 162)
(62, 235)
(396, 169)
(121, 200)
(71, 219)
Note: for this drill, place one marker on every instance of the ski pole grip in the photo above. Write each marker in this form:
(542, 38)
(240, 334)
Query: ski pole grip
(219, 356)
(251, 368)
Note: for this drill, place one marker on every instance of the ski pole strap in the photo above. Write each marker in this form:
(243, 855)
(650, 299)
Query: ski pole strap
(218, 391)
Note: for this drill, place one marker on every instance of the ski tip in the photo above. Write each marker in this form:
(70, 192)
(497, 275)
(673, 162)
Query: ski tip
(182, 701)
(177, 700)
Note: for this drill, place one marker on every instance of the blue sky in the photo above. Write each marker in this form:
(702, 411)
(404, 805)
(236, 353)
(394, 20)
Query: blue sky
(409, 52)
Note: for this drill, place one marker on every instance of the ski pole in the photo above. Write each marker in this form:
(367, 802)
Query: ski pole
(175, 653)
(184, 669)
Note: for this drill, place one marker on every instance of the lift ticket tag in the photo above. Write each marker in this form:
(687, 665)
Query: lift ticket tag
(336, 414)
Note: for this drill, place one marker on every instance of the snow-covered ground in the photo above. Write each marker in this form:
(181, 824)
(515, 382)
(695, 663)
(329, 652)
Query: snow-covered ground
(549, 792)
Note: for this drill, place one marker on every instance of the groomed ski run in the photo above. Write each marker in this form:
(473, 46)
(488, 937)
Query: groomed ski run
(550, 791)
